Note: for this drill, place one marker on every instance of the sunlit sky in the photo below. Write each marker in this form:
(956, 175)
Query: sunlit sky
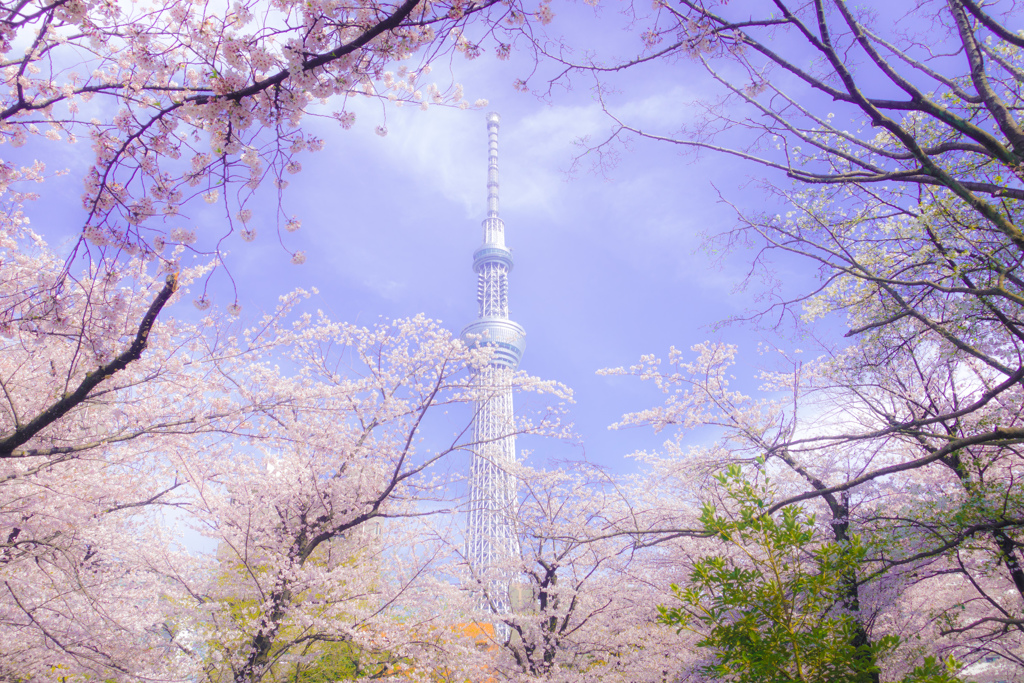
(608, 264)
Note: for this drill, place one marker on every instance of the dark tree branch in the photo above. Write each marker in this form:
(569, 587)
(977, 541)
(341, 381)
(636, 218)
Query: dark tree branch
(23, 433)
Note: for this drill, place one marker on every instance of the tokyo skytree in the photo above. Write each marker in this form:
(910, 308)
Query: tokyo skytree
(491, 539)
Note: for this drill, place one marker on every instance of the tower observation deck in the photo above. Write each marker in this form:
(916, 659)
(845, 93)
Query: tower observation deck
(491, 538)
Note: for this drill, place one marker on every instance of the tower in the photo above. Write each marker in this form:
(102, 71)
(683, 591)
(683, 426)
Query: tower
(491, 538)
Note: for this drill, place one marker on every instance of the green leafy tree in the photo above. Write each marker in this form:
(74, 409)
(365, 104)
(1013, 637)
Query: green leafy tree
(771, 605)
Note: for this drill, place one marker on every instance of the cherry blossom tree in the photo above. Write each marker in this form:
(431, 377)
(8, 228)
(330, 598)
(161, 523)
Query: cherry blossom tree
(294, 446)
(932, 566)
(184, 101)
(116, 425)
(582, 593)
(316, 523)
(906, 203)
(81, 395)
(901, 140)
(119, 428)
(587, 593)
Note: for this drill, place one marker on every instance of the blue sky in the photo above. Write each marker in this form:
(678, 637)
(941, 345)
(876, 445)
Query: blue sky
(608, 265)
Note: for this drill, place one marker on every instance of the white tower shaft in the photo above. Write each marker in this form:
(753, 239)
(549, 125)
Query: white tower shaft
(491, 539)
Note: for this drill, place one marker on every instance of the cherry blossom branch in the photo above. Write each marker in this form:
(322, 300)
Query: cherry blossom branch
(1000, 436)
(24, 433)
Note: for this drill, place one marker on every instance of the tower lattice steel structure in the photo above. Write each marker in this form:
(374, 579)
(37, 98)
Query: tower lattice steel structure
(491, 539)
